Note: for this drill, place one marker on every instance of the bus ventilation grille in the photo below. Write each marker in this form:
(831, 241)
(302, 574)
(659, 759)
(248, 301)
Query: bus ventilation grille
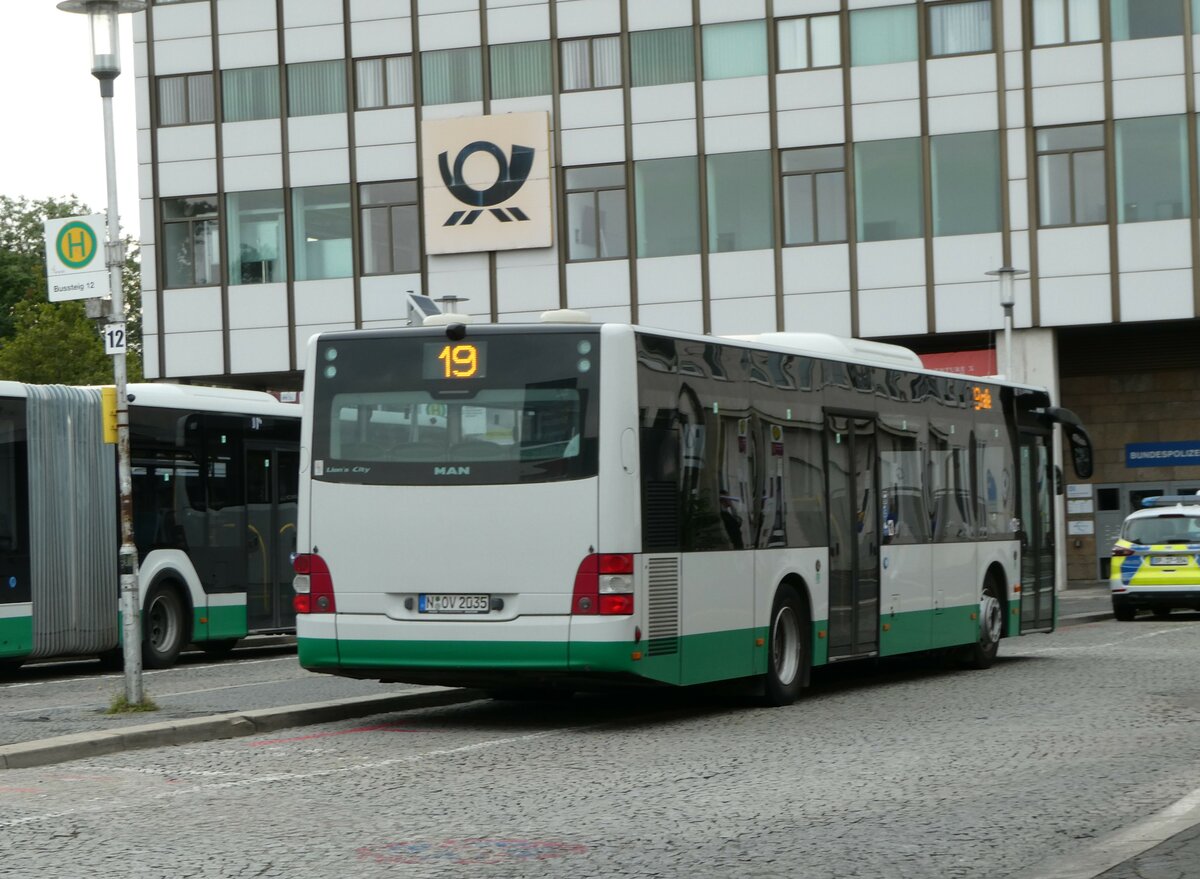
(663, 619)
(661, 516)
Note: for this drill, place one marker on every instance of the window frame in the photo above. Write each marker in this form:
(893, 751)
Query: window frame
(190, 223)
(813, 173)
(932, 7)
(387, 104)
(187, 104)
(1070, 152)
(595, 191)
(808, 42)
(1066, 26)
(589, 40)
(363, 207)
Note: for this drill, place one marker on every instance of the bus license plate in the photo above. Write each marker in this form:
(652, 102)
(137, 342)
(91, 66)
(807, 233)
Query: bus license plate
(434, 603)
(1172, 561)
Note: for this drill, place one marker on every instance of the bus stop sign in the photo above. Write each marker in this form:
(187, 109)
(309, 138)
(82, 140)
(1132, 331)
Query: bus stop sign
(75, 263)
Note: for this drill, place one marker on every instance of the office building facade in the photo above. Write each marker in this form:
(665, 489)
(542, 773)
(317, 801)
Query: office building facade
(719, 166)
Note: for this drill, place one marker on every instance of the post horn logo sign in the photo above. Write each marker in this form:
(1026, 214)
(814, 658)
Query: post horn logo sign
(486, 182)
(512, 176)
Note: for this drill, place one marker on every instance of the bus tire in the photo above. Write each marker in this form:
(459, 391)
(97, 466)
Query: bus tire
(787, 648)
(220, 648)
(165, 627)
(982, 653)
(8, 667)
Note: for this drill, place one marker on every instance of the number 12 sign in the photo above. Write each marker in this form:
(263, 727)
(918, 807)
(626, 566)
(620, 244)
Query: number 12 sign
(114, 339)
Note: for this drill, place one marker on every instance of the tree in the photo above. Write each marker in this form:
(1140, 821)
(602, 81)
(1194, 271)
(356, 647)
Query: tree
(41, 341)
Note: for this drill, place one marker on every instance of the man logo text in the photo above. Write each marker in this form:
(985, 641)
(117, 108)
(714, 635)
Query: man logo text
(451, 471)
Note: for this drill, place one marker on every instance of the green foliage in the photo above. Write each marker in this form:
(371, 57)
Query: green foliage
(42, 341)
(121, 705)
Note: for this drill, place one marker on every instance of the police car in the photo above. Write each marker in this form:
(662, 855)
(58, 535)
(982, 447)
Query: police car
(1156, 560)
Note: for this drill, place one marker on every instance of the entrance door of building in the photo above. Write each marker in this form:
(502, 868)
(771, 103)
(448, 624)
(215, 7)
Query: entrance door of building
(1116, 500)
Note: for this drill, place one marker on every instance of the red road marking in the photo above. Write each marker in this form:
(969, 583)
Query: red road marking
(344, 732)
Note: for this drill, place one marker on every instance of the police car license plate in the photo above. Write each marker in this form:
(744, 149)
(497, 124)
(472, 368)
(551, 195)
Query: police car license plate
(435, 603)
(1169, 561)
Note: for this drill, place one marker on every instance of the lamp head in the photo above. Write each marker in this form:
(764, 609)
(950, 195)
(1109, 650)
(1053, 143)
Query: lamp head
(106, 39)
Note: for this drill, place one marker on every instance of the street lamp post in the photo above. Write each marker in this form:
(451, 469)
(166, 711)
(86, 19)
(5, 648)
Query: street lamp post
(1007, 300)
(106, 66)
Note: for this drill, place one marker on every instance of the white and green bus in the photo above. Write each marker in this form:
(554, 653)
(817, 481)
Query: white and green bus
(214, 475)
(572, 505)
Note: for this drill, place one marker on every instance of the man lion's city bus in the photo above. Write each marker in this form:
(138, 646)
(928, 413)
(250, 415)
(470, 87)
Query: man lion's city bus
(214, 476)
(572, 505)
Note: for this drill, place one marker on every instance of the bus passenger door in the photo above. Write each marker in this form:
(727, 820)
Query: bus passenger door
(853, 536)
(272, 476)
(1036, 533)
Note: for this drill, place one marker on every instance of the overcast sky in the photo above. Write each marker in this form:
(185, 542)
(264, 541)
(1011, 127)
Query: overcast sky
(53, 134)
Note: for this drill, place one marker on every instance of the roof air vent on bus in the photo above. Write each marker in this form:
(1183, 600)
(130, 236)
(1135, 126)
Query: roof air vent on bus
(566, 316)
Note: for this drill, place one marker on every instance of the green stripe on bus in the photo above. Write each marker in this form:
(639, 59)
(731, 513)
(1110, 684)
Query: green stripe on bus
(227, 621)
(16, 637)
(317, 653)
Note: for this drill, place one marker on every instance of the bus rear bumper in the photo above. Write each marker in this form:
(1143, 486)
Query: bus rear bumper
(462, 653)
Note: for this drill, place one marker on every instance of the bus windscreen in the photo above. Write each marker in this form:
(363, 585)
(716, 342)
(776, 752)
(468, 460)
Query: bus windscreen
(408, 409)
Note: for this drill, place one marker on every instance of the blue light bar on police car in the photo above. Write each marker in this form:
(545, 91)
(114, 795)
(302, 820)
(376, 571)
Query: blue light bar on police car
(1171, 500)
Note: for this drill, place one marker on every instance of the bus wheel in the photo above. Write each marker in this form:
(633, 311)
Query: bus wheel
(982, 653)
(787, 649)
(218, 649)
(165, 628)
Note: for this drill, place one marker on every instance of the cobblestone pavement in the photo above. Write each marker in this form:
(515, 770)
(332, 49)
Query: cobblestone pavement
(901, 770)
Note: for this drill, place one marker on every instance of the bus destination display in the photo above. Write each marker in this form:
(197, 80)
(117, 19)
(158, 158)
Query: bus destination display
(454, 360)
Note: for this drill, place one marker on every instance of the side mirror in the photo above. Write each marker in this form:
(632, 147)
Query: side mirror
(1081, 450)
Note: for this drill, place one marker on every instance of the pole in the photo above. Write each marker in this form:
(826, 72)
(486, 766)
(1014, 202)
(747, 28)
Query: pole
(131, 622)
(1006, 297)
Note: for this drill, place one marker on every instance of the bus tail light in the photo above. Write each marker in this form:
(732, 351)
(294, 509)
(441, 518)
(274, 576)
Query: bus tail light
(313, 585)
(604, 585)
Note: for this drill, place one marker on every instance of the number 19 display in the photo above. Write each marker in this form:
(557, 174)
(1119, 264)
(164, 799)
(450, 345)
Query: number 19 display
(454, 360)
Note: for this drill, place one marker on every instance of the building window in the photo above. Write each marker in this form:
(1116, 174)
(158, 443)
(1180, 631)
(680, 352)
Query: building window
(1142, 19)
(662, 57)
(316, 88)
(734, 49)
(391, 231)
(965, 179)
(1056, 22)
(591, 63)
(960, 28)
(190, 254)
(889, 185)
(451, 76)
(321, 232)
(805, 43)
(185, 100)
(383, 82)
(1070, 168)
(521, 70)
(257, 247)
(887, 35)
(740, 213)
(814, 195)
(596, 218)
(1152, 177)
(250, 93)
(666, 206)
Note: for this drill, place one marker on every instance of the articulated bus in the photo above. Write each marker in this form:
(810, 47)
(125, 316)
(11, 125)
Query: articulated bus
(571, 505)
(214, 476)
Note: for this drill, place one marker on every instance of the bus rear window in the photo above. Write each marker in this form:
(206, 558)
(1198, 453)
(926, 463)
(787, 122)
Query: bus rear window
(404, 410)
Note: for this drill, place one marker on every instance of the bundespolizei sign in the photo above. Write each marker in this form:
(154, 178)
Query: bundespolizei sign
(1176, 454)
(75, 264)
(486, 182)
